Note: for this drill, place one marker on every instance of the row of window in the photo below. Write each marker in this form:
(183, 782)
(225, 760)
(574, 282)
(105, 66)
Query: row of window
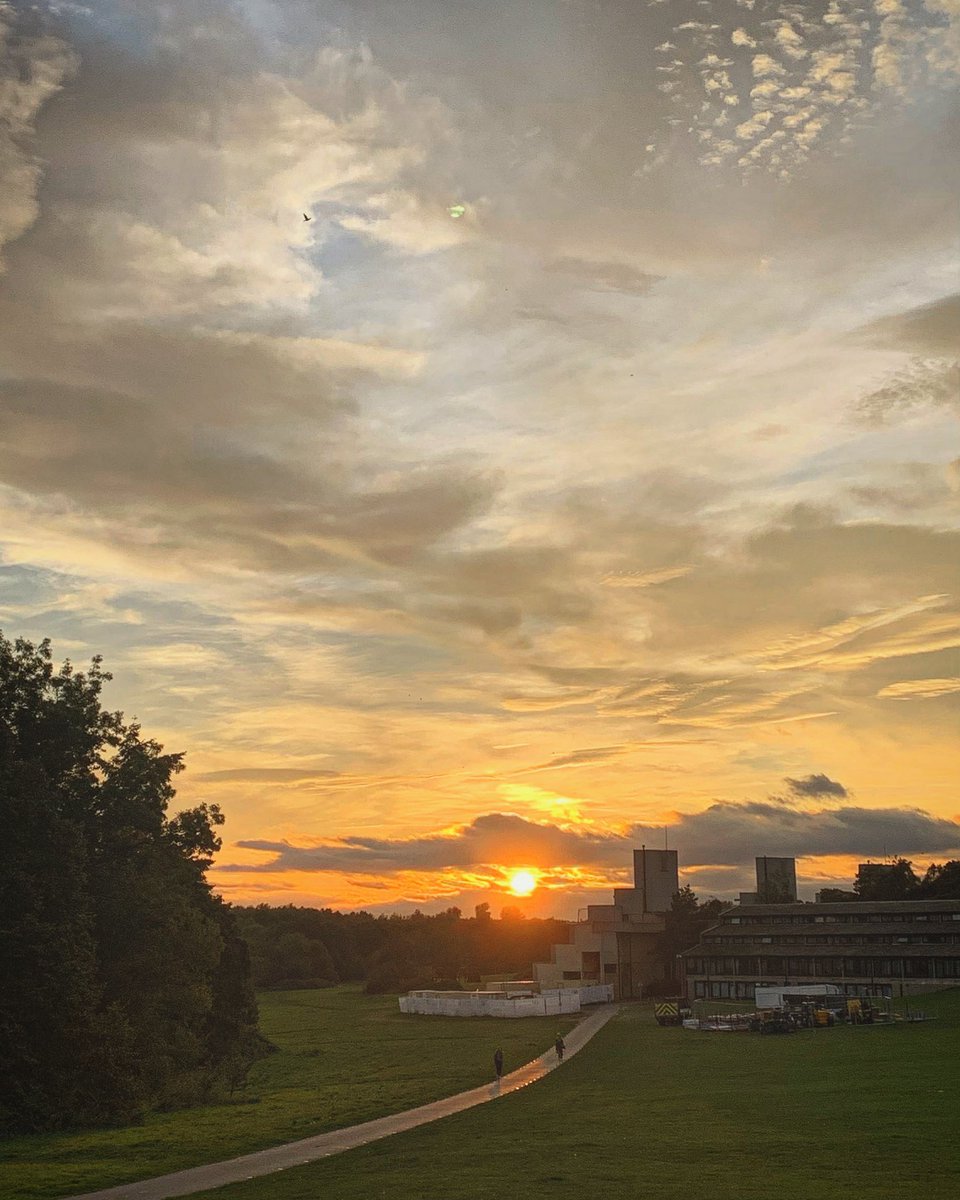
(725, 989)
(854, 917)
(829, 968)
(835, 939)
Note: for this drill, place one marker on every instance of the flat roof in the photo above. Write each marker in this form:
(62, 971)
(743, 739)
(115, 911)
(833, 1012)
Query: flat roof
(843, 906)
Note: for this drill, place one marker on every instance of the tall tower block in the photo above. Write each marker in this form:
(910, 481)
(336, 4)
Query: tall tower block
(776, 880)
(656, 878)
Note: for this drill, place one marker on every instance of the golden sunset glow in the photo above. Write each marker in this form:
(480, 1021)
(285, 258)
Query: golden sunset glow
(584, 466)
(522, 883)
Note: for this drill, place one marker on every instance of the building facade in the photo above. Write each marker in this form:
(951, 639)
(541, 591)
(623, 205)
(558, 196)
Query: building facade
(618, 943)
(883, 947)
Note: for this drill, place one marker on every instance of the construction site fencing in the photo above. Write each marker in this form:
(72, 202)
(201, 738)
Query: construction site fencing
(553, 1002)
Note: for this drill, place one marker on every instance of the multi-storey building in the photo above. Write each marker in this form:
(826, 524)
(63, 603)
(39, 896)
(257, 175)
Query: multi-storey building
(618, 943)
(883, 947)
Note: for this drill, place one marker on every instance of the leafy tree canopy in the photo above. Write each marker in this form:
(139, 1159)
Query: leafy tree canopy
(126, 984)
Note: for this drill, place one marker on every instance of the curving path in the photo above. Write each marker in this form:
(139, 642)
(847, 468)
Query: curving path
(322, 1145)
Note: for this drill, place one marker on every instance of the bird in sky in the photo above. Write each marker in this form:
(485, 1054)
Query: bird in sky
(306, 218)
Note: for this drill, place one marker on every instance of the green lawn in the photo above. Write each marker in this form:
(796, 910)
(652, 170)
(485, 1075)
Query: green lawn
(343, 1058)
(864, 1113)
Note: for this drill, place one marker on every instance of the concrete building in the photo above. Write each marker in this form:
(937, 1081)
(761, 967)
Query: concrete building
(776, 880)
(882, 947)
(617, 943)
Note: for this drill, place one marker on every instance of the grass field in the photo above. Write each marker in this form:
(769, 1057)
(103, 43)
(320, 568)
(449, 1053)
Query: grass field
(643, 1112)
(343, 1058)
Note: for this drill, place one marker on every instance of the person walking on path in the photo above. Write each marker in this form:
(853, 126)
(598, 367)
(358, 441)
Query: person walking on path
(498, 1062)
(260, 1163)
(560, 1045)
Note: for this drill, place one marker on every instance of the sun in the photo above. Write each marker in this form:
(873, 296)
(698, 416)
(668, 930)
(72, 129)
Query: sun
(522, 883)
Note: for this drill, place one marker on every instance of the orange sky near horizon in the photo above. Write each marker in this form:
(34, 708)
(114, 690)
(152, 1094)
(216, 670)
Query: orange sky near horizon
(586, 466)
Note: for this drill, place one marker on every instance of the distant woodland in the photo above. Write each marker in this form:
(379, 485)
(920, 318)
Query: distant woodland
(308, 947)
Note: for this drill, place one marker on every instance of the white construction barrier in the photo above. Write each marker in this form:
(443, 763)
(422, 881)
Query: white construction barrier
(597, 993)
(550, 1002)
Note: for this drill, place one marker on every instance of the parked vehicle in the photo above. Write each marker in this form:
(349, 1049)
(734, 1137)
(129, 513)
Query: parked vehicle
(670, 1011)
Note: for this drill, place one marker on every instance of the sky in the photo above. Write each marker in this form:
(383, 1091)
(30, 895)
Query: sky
(584, 472)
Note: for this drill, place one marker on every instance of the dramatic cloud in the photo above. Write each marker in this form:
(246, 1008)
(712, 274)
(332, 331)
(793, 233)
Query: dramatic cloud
(594, 433)
(499, 838)
(724, 833)
(730, 833)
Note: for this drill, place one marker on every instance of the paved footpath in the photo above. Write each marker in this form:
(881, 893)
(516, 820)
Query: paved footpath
(322, 1145)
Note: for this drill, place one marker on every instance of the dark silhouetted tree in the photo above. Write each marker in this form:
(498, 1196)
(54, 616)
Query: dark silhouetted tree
(685, 921)
(941, 882)
(887, 881)
(124, 985)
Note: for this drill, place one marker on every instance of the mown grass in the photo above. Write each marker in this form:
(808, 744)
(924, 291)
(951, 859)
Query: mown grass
(862, 1113)
(342, 1058)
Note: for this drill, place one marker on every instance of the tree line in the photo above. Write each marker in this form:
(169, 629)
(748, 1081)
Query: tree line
(308, 947)
(898, 880)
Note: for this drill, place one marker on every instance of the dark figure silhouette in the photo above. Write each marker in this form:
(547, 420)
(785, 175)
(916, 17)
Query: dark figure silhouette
(560, 1045)
(498, 1062)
